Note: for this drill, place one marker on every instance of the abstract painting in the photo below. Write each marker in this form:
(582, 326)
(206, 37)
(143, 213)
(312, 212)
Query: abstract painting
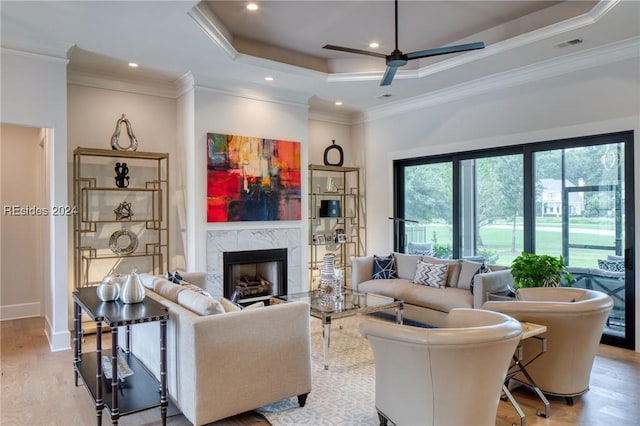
(252, 179)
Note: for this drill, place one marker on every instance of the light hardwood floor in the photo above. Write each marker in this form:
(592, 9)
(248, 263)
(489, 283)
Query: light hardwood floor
(38, 388)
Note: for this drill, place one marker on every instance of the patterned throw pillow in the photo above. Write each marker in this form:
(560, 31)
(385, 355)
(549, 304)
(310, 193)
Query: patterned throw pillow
(431, 274)
(611, 265)
(175, 278)
(384, 268)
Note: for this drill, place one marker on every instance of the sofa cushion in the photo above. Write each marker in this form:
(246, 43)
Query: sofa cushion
(167, 289)
(468, 270)
(199, 303)
(611, 265)
(454, 269)
(406, 265)
(148, 280)
(439, 299)
(384, 267)
(255, 305)
(431, 274)
(229, 306)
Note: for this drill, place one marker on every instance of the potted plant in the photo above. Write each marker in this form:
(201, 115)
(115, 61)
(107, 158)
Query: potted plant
(538, 270)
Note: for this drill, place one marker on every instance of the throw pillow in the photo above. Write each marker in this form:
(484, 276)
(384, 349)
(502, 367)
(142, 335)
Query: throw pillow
(453, 274)
(148, 280)
(384, 268)
(199, 303)
(431, 274)
(195, 288)
(468, 270)
(167, 289)
(611, 265)
(229, 306)
(175, 278)
(255, 305)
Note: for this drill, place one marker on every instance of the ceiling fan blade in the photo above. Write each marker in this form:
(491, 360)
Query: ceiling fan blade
(387, 78)
(350, 50)
(445, 50)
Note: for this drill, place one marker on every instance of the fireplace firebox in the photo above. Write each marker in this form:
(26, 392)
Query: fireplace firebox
(254, 275)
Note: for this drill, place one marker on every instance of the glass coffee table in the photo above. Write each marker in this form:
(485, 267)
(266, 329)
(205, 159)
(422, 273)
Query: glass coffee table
(347, 304)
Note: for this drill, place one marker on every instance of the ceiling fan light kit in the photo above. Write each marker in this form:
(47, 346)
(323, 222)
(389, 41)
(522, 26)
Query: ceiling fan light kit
(397, 58)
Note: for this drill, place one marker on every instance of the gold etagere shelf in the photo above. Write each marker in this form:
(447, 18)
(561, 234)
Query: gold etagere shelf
(339, 234)
(119, 227)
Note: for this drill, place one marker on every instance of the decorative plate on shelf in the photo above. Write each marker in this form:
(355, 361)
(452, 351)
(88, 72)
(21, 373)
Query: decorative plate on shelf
(123, 242)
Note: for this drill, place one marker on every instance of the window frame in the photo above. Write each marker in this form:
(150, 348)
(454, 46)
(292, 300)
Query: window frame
(528, 151)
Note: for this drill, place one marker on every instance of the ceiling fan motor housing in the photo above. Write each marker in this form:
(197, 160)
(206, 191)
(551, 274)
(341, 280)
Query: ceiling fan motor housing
(397, 59)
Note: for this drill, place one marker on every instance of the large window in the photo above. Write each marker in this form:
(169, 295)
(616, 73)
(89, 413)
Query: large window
(570, 197)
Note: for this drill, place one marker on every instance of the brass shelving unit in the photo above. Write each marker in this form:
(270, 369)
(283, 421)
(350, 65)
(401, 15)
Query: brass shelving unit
(333, 183)
(100, 235)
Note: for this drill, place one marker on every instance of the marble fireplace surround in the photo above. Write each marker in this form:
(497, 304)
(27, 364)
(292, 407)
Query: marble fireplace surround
(220, 241)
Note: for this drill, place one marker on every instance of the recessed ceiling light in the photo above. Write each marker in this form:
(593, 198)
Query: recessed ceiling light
(269, 78)
(133, 65)
(252, 6)
(384, 95)
(338, 103)
(374, 45)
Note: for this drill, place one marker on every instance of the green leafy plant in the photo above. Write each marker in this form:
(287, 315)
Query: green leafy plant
(539, 270)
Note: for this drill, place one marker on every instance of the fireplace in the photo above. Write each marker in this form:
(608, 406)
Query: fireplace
(253, 275)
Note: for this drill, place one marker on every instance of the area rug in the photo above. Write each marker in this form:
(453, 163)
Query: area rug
(342, 395)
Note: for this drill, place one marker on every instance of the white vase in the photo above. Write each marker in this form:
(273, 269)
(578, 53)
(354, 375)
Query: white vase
(132, 290)
(327, 275)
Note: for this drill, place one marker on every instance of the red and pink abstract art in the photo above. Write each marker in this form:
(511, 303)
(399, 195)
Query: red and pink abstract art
(252, 179)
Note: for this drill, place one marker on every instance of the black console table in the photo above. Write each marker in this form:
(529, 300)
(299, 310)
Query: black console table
(137, 392)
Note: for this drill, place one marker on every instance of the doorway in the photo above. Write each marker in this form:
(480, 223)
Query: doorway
(23, 224)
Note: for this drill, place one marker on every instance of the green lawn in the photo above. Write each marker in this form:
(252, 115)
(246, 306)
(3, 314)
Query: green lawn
(498, 239)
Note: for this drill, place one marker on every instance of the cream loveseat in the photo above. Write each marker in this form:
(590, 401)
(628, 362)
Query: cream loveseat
(428, 304)
(223, 364)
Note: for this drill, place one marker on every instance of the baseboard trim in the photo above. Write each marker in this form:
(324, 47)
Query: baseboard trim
(60, 341)
(23, 310)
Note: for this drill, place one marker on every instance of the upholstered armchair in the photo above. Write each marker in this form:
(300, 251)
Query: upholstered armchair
(451, 375)
(575, 319)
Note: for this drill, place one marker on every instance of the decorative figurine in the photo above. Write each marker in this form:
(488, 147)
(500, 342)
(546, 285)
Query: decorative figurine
(116, 135)
(123, 211)
(132, 291)
(122, 180)
(109, 289)
(340, 152)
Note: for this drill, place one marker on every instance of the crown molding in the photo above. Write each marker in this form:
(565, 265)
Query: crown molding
(185, 84)
(591, 17)
(109, 82)
(330, 117)
(56, 58)
(212, 26)
(614, 52)
(302, 103)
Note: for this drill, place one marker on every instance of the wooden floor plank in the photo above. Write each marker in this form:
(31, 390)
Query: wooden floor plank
(38, 388)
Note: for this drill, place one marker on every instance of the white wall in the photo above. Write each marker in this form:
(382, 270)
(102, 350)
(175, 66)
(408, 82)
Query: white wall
(598, 100)
(322, 131)
(34, 94)
(221, 112)
(21, 273)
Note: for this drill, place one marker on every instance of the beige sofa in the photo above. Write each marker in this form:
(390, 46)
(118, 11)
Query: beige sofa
(442, 376)
(427, 304)
(224, 364)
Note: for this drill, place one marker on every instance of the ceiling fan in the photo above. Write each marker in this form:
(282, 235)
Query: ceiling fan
(398, 59)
